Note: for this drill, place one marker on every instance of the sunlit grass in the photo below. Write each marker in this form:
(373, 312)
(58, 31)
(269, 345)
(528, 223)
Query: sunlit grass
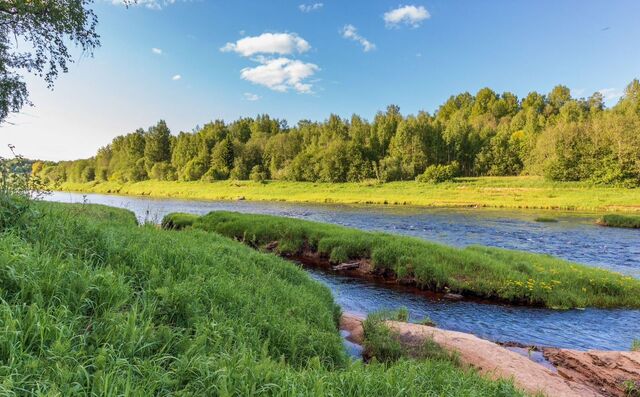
(617, 220)
(496, 192)
(92, 304)
(485, 272)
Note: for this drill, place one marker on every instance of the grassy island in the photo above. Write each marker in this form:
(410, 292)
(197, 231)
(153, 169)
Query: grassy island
(93, 304)
(617, 220)
(484, 272)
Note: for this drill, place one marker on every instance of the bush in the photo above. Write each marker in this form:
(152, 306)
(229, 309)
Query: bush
(439, 173)
(18, 189)
(163, 171)
(258, 174)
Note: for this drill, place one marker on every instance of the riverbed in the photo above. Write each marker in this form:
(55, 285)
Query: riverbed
(574, 237)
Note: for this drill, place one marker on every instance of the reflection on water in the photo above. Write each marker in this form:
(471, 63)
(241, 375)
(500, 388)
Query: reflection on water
(574, 237)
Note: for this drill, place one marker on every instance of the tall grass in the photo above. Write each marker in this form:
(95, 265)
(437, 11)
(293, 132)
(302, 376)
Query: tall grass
(485, 272)
(93, 304)
(617, 220)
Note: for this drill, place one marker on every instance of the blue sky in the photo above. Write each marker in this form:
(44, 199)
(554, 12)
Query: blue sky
(301, 60)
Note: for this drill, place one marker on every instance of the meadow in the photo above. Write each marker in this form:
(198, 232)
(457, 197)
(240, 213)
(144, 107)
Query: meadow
(93, 304)
(475, 271)
(523, 192)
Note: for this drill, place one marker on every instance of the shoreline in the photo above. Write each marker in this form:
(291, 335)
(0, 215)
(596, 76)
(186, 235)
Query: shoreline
(564, 372)
(501, 193)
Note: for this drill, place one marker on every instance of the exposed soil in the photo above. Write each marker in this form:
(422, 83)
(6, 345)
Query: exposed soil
(583, 374)
(363, 268)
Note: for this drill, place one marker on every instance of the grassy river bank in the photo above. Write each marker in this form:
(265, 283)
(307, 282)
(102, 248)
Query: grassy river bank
(492, 192)
(93, 304)
(476, 271)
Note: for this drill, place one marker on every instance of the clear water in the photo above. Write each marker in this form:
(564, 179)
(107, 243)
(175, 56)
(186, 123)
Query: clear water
(573, 237)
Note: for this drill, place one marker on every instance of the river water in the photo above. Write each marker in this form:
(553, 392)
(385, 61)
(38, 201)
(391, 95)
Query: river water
(573, 237)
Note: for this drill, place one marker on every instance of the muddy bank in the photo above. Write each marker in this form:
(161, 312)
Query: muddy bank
(365, 270)
(575, 373)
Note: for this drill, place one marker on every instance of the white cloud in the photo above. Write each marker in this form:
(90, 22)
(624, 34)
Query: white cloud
(350, 32)
(268, 43)
(310, 7)
(577, 92)
(251, 97)
(408, 15)
(176, 77)
(281, 74)
(611, 94)
(151, 4)
(157, 51)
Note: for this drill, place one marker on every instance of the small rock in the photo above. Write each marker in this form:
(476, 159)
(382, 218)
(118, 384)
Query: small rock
(453, 297)
(347, 266)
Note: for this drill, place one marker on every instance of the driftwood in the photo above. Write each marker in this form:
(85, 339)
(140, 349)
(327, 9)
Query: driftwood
(346, 266)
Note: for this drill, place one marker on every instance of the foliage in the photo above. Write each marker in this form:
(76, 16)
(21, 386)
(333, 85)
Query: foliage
(47, 28)
(617, 220)
(92, 304)
(439, 173)
(635, 345)
(554, 135)
(17, 189)
(486, 272)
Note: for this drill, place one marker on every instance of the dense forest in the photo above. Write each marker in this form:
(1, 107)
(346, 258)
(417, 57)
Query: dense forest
(554, 135)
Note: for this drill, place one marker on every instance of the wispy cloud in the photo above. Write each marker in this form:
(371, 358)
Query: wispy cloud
(268, 43)
(251, 97)
(611, 94)
(350, 32)
(281, 74)
(407, 15)
(150, 4)
(310, 7)
(157, 51)
(176, 77)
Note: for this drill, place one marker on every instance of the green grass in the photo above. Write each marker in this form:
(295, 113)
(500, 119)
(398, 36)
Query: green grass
(616, 220)
(93, 304)
(485, 272)
(544, 219)
(495, 192)
(384, 345)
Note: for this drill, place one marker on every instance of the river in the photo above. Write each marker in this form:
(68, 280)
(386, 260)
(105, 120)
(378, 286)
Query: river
(573, 237)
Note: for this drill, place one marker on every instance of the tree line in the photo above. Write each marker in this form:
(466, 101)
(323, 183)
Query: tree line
(554, 135)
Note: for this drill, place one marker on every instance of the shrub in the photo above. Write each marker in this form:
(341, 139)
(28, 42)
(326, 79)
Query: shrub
(18, 188)
(635, 345)
(258, 174)
(439, 173)
(163, 171)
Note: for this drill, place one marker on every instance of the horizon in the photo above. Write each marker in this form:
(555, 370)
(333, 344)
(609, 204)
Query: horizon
(190, 63)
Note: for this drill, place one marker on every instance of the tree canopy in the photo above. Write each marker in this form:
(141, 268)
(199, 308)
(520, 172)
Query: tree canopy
(554, 135)
(45, 28)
